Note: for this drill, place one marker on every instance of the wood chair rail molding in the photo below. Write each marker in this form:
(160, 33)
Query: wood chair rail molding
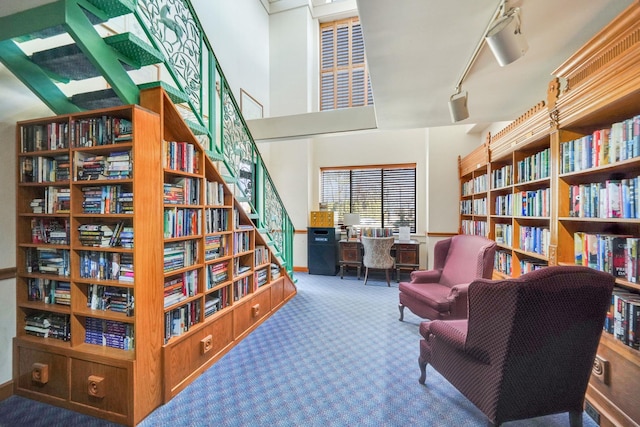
(7, 273)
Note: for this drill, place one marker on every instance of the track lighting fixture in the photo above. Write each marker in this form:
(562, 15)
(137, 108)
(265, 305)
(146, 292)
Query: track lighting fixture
(507, 43)
(458, 106)
(505, 38)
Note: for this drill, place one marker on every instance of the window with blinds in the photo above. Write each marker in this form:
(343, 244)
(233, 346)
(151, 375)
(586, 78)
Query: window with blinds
(344, 79)
(383, 196)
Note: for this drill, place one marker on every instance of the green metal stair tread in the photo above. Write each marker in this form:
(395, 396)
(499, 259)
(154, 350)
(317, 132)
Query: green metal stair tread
(196, 128)
(232, 180)
(113, 8)
(176, 95)
(134, 48)
(71, 63)
(109, 8)
(214, 155)
(104, 98)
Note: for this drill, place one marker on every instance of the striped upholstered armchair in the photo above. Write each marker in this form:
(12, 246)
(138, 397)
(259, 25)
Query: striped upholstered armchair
(528, 345)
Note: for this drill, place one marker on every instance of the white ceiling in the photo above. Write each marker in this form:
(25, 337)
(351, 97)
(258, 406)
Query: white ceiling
(418, 49)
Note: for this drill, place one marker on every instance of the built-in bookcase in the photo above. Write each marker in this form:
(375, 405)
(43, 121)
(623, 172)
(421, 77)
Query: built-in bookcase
(585, 201)
(136, 265)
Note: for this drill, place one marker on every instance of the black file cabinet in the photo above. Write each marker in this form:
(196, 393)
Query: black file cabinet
(322, 251)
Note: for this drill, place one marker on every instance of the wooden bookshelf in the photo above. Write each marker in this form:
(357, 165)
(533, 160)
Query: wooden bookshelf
(91, 184)
(593, 189)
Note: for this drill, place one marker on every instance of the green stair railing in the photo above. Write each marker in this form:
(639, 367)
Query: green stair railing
(165, 34)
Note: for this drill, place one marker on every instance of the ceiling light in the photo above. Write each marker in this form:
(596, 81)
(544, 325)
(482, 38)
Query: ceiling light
(458, 107)
(505, 38)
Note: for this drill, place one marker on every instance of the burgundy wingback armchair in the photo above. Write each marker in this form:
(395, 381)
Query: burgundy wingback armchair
(441, 293)
(528, 345)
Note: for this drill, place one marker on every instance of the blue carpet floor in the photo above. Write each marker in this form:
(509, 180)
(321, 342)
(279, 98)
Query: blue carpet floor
(335, 355)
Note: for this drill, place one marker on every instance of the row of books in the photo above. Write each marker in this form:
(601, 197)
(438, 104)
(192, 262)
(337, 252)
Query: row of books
(113, 298)
(216, 220)
(107, 199)
(179, 287)
(182, 191)
(215, 246)
(502, 177)
(47, 260)
(623, 317)
(214, 194)
(96, 131)
(241, 242)
(478, 228)
(503, 234)
(180, 222)
(241, 287)
(534, 239)
(109, 333)
(475, 185)
(532, 203)
(614, 198)
(52, 231)
(217, 273)
(502, 262)
(115, 165)
(212, 303)
(103, 235)
(261, 255)
(613, 253)
(181, 156)
(604, 146)
(44, 169)
(473, 207)
(55, 200)
(49, 291)
(534, 167)
(50, 136)
(261, 277)
(178, 255)
(106, 265)
(181, 319)
(48, 325)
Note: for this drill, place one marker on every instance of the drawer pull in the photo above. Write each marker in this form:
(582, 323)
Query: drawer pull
(206, 344)
(255, 310)
(40, 373)
(96, 386)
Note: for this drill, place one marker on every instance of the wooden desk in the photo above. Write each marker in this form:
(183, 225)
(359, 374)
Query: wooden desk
(406, 254)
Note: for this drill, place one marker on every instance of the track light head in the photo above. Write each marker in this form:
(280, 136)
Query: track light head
(458, 107)
(505, 38)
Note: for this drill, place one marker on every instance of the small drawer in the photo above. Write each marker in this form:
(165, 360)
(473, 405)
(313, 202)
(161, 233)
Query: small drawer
(103, 387)
(42, 372)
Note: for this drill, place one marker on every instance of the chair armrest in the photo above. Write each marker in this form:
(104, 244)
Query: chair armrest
(453, 332)
(459, 299)
(425, 276)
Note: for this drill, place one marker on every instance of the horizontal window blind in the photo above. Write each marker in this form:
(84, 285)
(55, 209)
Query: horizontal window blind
(384, 197)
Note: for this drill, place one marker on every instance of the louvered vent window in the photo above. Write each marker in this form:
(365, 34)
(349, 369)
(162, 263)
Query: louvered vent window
(344, 79)
(383, 196)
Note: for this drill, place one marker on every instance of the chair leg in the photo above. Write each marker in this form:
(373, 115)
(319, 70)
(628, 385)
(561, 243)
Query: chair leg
(366, 275)
(575, 418)
(423, 371)
(401, 308)
(387, 271)
(341, 271)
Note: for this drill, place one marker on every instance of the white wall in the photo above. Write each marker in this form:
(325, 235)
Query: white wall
(238, 31)
(7, 247)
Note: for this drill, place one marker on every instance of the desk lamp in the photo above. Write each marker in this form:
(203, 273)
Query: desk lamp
(350, 220)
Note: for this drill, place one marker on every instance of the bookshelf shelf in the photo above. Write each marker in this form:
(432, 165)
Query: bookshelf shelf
(110, 191)
(589, 140)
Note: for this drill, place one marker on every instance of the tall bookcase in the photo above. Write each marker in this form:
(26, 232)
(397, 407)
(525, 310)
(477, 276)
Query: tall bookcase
(590, 125)
(474, 184)
(137, 269)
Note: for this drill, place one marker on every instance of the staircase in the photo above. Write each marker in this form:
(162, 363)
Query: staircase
(80, 55)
